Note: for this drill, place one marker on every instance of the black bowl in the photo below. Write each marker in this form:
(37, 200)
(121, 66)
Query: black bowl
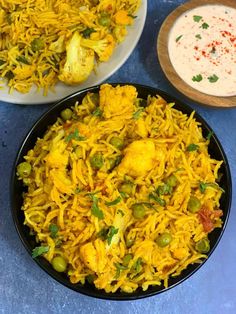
(38, 129)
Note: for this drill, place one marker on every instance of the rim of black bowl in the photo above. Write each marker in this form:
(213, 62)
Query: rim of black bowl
(16, 189)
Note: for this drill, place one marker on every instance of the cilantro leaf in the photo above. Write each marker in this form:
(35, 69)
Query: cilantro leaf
(209, 135)
(136, 115)
(204, 26)
(164, 189)
(213, 78)
(138, 265)
(192, 147)
(157, 199)
(119, 268)
(178, 38)
(75, 136)
(22, 59)
(204, 185)
(39, 250)
(87, 32)
(103, 233)
(197, 78)
(97, 112)
(116, 201)
(2, 62)
(95, 210)
(133, 16)
(198, 36)
(78, 190)
(112, 231)
(123, 194)
(53, 230)
(197, 18)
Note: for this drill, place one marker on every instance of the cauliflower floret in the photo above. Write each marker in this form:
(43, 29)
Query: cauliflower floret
(119, 100)
(58, 45)
(139, 158)
(57, 156)
(141, 129)
(181, 253)
(94, 255)
(61, 181)
(122, 18)
(103, 47)
(79, 62)
(120, 32)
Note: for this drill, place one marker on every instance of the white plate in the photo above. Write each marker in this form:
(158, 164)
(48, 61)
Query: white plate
(104, 70)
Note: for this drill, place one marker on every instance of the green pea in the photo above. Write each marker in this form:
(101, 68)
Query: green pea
(117, 142)
(203, 246)
(164, 239)
(104, 19)
(127, 258)
(96, 161)
(79, 152)
(194, 204)
(126, 188)
(172, 180)
(37, 44)
(139, 211)
(24, 169)
(59, 264)
(66, 114)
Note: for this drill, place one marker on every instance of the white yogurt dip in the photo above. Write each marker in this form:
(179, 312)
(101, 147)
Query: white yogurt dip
(202, 49)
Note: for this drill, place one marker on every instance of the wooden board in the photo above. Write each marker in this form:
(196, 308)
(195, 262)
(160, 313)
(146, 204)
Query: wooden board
(163, 55)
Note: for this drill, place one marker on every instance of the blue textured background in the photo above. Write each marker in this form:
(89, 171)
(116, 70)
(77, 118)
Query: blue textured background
(24, 288)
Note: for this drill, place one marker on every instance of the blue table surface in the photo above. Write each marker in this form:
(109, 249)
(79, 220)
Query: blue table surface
(25, 288)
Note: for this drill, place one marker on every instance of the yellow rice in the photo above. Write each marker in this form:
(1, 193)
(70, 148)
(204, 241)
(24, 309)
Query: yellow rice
(61, 187)
(21, 22)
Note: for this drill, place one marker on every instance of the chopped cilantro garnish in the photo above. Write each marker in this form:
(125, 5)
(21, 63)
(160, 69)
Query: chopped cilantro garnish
(204, 26)
(133, 16)
(198, 36)
(107, 233)
(119, 268)
(123, 194)
(22, 59)
(164, 189)
(178, 38)
(203, 186)
(138, 265)
(39, 250)
(95, 210)
(87, 32)
(53, 230)
(112, 231)
(116, 201)
(197, 18)
(78, 190)
(103, 233)
(75, 136)
(157, 199)
(192, 147)
(213, 78)
(197, 78)
(137, 114)
(97, 112)
(209, 135)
